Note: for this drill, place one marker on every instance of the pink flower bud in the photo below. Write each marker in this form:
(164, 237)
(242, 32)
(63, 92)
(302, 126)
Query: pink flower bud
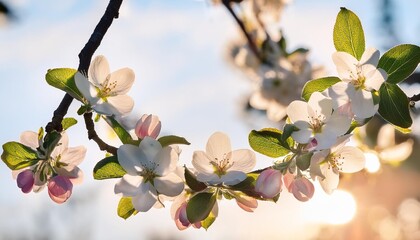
(148, 126)
(269, 183)
(25, 181)
(181, 219)
(247, 203)
(301, 187)
(59, 189)
(311, 145)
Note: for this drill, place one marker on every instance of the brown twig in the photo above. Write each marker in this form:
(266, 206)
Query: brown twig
(251, 42)
(92, 135)
(85, 57)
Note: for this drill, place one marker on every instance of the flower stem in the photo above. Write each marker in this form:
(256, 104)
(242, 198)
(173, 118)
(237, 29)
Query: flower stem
(85, 56)
(251, 42)
(92, 135)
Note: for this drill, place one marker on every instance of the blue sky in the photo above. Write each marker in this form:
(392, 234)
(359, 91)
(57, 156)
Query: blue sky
(176, 49)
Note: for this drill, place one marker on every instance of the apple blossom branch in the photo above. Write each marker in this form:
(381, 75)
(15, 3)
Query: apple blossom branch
(85, 57)
(251, 42)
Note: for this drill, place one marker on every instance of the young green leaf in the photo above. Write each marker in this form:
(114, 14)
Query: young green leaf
(192, 181)
(200, 206)
(348, 34)
(108, 167)
(206, 223)
(172, 139)
(304, 160)
(122, 134)
(125, 208)
(318, 85)
(267, 141)
(63, 79)
(68, 122)
(50, 141)
(394, 106)
(17, 156)
(400, 62)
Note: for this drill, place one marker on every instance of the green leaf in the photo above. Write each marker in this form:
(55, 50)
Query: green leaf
(206, 223)
(82, 110)
(17, 156)
(400, 62)
(68, 122)
(394, 106)
(125, 208)
(200, 206)
(50, 141)
(318, 85)
(247, 186)
(192, 181)
(348, 34)
(122, 134)
(172, 139)
(63, 79)
(267, 141)
(304, 160)
(108, 167)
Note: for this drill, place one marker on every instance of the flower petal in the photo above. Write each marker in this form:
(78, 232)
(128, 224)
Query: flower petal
(202, 162)
(145, 199)
(386, 136)
(353, 159)
(316, 160)
(330, 182)
(150, 147)
(86, 88)
(370, 56)
(320, 106)
(218, 146)
(362, 104)
(242, 160)
(170, 185)
(302, 135)
(297, 111)
(398, 152)
(30, 139)
(129, 185)
(233, 177)
(131, 158)
(374, 77)
(166, 161)
(73, 155)
(98, 70)
(124, 79)
(346, 65)
(115, 105)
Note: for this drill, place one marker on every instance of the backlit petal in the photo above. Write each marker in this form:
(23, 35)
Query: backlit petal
(166, 161)
(124, 79)
(201, 162)
(129, 185)
(145, 199)
(131, 158)
(242, 160)
(30, 139)
(98, 70)
(218, 145)
(169, 185)
(362, 104)
(353, 159)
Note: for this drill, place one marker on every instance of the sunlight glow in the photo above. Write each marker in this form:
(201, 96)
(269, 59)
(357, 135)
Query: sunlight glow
(337, 208)
(372, 162)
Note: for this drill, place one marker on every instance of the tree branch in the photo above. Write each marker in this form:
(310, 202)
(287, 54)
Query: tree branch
(414, 98)
(251, 42)
(92, 135)
(85, 56)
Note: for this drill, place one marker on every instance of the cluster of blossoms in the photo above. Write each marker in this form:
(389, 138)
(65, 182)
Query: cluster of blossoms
(313, 145)
(277, 75)
(54, 167)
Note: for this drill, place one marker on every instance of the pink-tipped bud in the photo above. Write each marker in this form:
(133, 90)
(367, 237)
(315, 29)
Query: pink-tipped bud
(59, 189)
(301, 187)
(311, 145)
(181, 219)
(269, 183)
(247, 203)
(148, 126)
(25, 181)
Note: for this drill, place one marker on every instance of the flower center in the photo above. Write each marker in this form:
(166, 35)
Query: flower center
(105, 89)
(221, 165)
(358, 79)
(335, 161)
(316, 122)
(148, 172)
